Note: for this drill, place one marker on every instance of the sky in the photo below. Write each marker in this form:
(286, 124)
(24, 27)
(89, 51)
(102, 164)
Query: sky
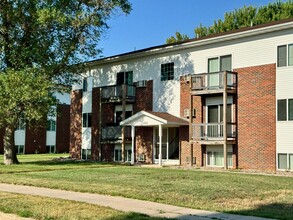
(151, 22)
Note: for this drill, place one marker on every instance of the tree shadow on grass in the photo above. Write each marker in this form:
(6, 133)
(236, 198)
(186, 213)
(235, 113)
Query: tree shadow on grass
(273, 210)
(135, 216)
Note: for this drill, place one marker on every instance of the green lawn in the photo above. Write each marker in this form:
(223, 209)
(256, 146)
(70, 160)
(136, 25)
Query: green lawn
(259, 195)
(48, 209)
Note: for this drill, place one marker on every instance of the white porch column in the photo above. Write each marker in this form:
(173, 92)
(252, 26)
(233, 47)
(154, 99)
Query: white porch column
(160, 145)
(132, 143)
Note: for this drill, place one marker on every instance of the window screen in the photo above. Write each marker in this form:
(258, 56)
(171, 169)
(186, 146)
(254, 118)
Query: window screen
(282, 161)
(282, 110)
(282, 55)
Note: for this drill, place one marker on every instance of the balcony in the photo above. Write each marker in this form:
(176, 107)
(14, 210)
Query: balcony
(114, 134)
(211, 83)
(116, 93)
(212, 133)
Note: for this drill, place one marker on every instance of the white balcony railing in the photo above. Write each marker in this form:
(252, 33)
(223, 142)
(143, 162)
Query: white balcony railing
(212, 81)
(213, 131)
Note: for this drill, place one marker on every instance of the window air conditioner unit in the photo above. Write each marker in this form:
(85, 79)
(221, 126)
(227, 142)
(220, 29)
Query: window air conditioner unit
(186, 78)
(141, 83)
(186, 113)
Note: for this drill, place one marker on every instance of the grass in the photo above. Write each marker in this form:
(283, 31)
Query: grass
(258, 195)
(49, 209)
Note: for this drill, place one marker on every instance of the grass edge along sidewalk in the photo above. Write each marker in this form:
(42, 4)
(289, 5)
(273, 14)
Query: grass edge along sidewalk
(125, 204)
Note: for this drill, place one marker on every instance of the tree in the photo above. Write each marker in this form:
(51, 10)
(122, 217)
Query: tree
(248, 16)
(243, 17)
(41, 43)
(178, 38)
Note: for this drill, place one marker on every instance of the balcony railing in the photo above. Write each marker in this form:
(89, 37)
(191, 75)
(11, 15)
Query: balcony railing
(213, 81)
(115, 93)
(114, 133)
(213, 131)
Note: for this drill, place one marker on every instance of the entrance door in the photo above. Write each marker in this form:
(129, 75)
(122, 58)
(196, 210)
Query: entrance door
(215, 120)
(170, 144)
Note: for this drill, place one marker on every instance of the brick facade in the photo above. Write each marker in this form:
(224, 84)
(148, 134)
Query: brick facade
(144, 143)
(96, 124)
(63, 128)
(144, 98)
(257, 117)
(196, 150)
(35, 139)
(75, 123)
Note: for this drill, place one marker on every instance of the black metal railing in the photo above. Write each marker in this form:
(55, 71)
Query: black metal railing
(117, 92)
(115, 133)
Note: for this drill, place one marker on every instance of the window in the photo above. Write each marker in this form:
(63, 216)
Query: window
(290, 55)
(217, 159)
(223, 63)
(84, 85)
(86, 154)
(282, 55)
(213, 65)
(290, 109)
(285, 55)
(167, 71)
(118, 118)
(19, 149)
(21, 123)
(290, 161)
(282, 161)
(87, 120)
(51, 125)
(50, 149)
(118, 155)
(285, 110)
(282, 110)
(124, 78)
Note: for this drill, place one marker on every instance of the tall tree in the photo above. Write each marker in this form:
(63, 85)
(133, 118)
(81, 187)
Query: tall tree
(40, 43)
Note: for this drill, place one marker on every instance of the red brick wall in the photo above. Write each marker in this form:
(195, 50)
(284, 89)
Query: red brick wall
(75, 123)
(144, 143)
(108, 110)
(144, 98)
(63, 128)
(257, 117)
(108, 152)
(95, 123)
(186, 149)
(35, 139)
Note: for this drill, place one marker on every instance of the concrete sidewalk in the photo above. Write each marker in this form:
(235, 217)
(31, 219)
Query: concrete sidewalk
(125, 204)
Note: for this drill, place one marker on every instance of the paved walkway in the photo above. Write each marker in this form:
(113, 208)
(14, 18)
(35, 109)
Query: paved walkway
(125, 204)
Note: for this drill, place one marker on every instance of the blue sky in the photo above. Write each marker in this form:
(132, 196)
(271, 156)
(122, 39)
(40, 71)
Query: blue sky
(151, 22)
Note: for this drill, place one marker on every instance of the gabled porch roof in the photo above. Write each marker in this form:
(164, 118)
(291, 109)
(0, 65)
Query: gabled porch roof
(149, 118)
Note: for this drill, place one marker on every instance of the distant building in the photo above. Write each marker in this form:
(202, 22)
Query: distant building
(225, 100)
(52, 137)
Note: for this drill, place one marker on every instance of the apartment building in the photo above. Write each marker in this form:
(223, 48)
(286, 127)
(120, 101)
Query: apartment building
(224, 100)
(52, 137)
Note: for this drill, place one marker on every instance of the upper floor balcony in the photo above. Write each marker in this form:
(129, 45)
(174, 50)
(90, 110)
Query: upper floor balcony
(212, 83)
(114, 134)
(117, 93)
(213, 133)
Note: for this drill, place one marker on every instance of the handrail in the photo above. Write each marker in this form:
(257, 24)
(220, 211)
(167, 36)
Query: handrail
(211, 81)
(213, 131)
